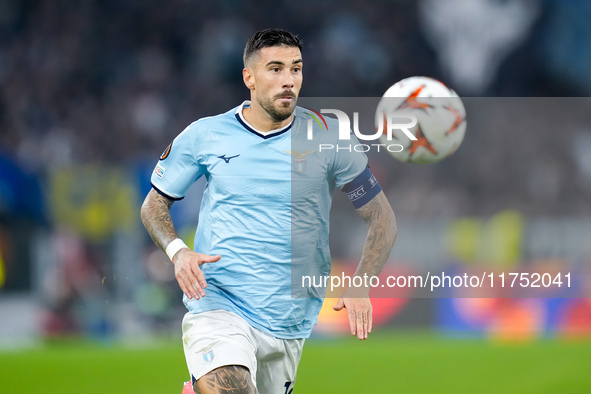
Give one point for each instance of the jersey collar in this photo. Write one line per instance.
(248, 126)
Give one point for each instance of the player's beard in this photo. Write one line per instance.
(278, 114)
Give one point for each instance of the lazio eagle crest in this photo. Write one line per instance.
(207, 352)
(299, 159)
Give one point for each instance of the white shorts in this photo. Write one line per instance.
(216, 338)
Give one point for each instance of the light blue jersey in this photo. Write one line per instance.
(265, 210)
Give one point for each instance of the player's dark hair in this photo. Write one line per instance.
(270, 38)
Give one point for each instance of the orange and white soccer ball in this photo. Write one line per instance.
(440, 120)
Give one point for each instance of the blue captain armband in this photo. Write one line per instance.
(362, 189)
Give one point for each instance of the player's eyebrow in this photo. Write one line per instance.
(279, 63)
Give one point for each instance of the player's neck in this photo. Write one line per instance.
(258, 118)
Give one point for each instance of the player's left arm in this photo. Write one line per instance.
(381, 223)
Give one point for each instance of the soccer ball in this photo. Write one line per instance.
(440, 120)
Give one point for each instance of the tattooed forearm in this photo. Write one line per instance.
(380, 219)
(156, 218)
(232, 379)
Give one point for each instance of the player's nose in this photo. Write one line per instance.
(288, 81)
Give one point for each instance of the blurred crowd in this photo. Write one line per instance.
(87, 81)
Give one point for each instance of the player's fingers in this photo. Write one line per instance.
(370, 322)
(353, 321)
(191, 282)
(339, 305)
(186, 286)
(209, 259)
(360, 321)
(200, 281)
(366, 323)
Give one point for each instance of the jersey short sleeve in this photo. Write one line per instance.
(178, 167)
(348, 162)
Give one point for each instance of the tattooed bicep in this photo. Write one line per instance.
(158, 199)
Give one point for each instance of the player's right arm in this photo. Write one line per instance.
(155, 215)
(175, 172)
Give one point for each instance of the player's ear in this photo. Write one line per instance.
(248, 77)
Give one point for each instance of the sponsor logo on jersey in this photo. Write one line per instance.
(159, 171)
(227, 159)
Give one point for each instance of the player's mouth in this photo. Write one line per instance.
(285, 97)
(284, 100)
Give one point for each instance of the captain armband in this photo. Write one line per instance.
(362, 189)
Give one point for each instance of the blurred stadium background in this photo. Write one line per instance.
(91, 92)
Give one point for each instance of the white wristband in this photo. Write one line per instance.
(174, 247)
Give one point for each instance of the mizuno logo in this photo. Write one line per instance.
(227, 159)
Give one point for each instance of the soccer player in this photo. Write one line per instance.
(263, 220)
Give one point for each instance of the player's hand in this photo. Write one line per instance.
(188, 274)
(359, 311)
